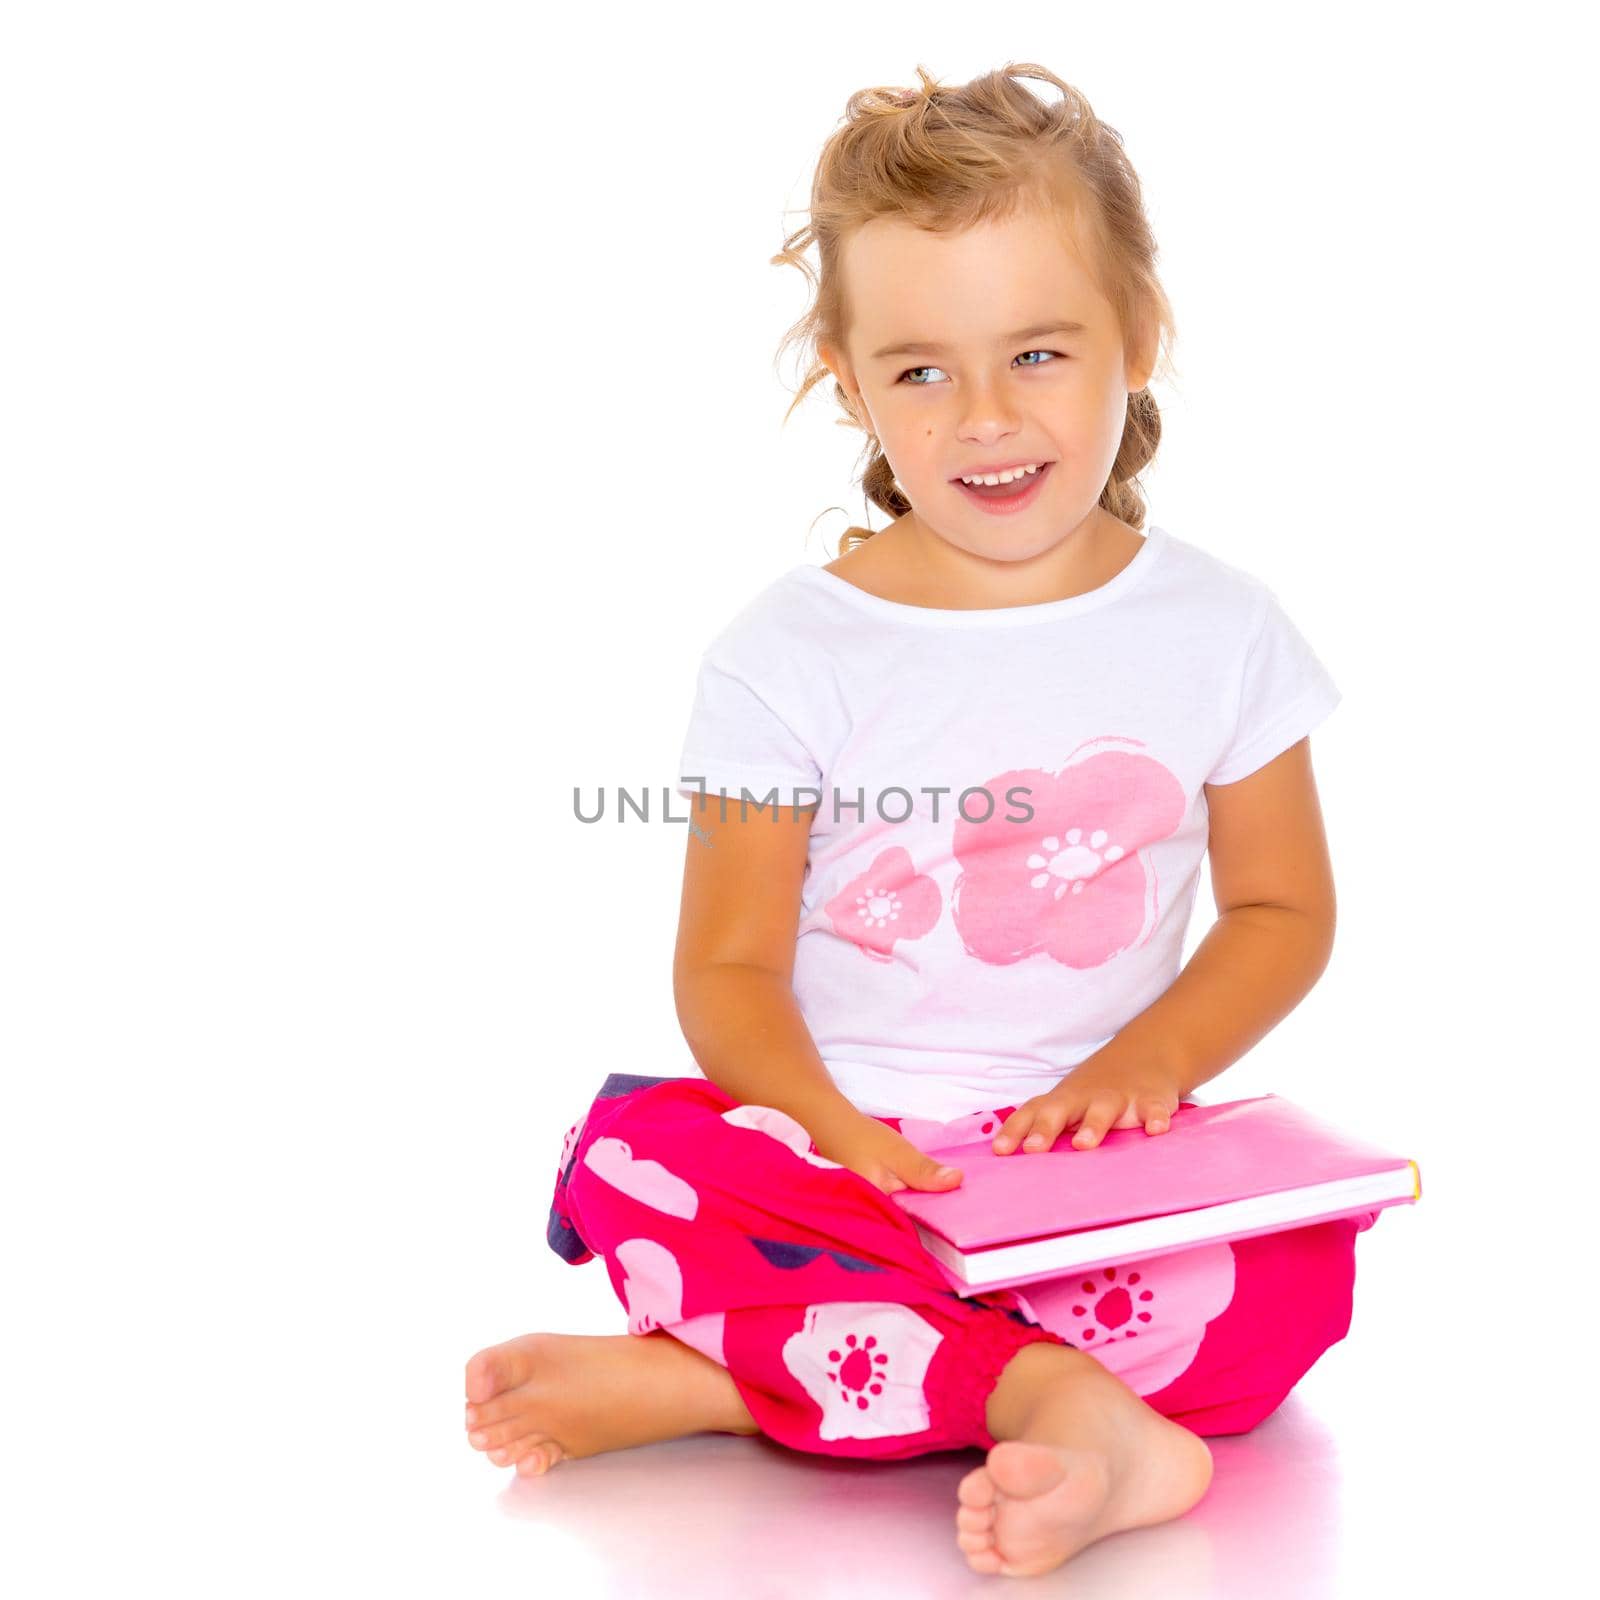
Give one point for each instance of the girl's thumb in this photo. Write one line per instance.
(935, 1174)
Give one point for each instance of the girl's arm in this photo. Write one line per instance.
(732, 970)
(1273, 884)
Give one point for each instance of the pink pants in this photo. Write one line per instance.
(721, 1225)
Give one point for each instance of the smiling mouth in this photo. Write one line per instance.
(1006, 491)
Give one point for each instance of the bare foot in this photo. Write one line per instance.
(1091, 1460)
(537, 1400)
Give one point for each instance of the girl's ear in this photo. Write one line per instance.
(1142, 358)
(840, 368)
(835, 362)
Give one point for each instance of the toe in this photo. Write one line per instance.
(483, 1376)
(502, 1408)
(502, 1433)
(975, 1519)
(1025, 1469)
(977, 1489)
(500, 1367)
(540, 1455)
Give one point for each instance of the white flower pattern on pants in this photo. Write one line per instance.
(1143, 1321)
(652, 1284)
(864, 1363)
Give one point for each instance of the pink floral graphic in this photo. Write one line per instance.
(646, 1181)
(1071, 881)
(864, 1363)
(703, 1333)
(890, 900)
(926, 1135)
(778, 1125)
(1145, 1321)
(652, 1284)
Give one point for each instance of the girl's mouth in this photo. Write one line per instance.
(1006, 498)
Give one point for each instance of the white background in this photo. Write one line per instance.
(389, 422)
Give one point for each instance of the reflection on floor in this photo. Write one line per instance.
(697, 1510)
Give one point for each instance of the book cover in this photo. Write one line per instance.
(1223, 1171)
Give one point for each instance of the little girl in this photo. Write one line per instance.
(950, 796)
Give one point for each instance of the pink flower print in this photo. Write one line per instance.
(926, 1135)
(652, 1284)
(777, 1125)
(890, 900)
(648, 1182)
(704, 1333)
(1073, 880)
(864, 1363)
(1144, 1322)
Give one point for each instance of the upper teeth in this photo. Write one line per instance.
(1005, 477)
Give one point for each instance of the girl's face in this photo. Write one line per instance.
(958, 361)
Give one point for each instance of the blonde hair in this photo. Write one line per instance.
(947, 158)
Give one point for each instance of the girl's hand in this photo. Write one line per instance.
(886, 1159)
(1097, 1095)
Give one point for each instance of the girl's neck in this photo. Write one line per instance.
(910, 565)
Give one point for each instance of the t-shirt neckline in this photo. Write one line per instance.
(1149, 552)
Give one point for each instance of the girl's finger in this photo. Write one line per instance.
(1100, 1115)
(1048, 1123)
(1012, 1130)
(1015, 1127)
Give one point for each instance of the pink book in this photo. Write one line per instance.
(1225, 1171)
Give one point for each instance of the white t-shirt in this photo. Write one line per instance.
(950, 961)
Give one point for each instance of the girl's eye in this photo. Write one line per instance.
(1053, 354)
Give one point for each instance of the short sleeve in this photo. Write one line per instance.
(1283, 693)
(738, 738)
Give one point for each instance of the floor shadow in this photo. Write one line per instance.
(677, 1519)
